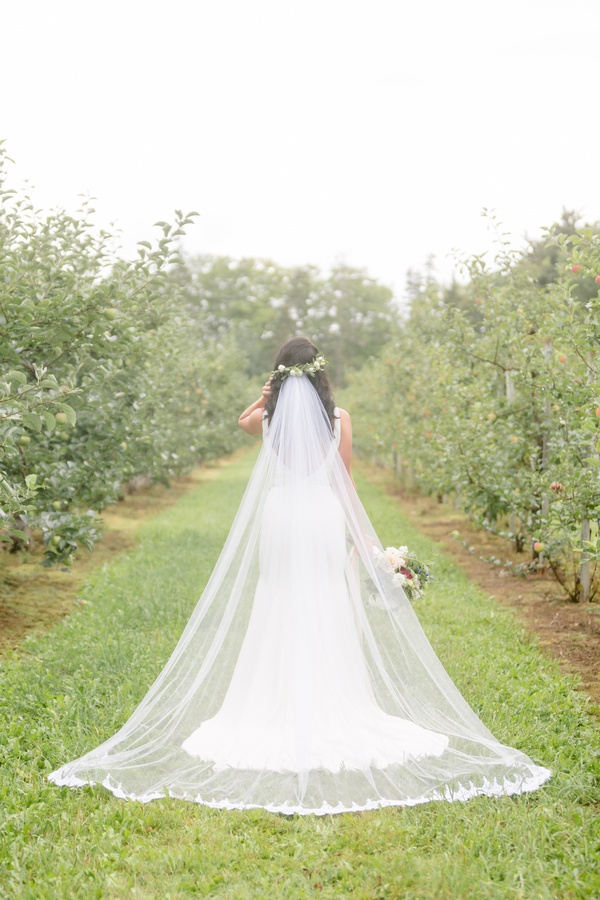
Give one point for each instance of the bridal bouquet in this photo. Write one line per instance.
(409, 572)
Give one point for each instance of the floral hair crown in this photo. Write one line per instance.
(310, 368)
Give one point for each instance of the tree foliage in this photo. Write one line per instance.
(347, 314)
(104, 373)
(492, 394)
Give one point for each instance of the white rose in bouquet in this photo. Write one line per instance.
(393, 557)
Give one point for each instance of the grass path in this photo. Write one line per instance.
(68, 690)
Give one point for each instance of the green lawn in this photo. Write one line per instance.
(72, 688)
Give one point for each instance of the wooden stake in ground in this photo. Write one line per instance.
(585, 580)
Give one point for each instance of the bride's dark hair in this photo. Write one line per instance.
(297, 352)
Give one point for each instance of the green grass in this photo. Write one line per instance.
(70, 689)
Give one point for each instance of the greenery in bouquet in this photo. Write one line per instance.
(410, 573)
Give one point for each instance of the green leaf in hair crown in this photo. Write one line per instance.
(310, 368)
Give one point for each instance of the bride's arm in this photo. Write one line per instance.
(345, 448)
(251, 419)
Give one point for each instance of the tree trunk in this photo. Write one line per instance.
(514, 526)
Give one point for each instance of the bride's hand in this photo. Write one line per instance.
(266, 391)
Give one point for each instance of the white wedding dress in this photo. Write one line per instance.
(303, 682)
(287, 653)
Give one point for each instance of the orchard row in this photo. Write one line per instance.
(105, 375)
(491, 395)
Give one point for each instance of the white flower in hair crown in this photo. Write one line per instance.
(310, 368)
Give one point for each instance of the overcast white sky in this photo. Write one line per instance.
(308, 130)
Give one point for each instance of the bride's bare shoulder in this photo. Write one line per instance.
(345, 427)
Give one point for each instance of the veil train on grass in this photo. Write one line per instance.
(303, 681)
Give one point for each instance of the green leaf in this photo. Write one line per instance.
(13, 375)
(48, 418)
(31, 481)
(32, 420)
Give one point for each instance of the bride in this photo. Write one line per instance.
(303, 682)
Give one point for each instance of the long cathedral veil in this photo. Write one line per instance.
(303, 681)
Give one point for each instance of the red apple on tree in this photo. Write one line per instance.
(576, 269)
